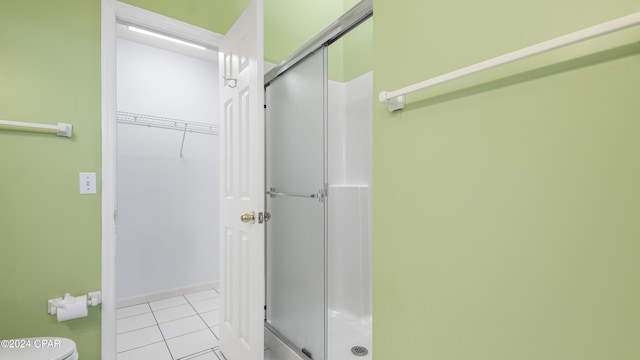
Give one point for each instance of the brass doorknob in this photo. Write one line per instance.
(248, 218)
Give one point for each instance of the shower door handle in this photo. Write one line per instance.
(320, 195)
(273, 193)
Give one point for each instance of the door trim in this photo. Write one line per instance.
(113, 11)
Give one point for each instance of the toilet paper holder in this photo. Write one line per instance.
(94, 298)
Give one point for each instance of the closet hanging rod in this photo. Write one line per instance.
(61, 129)
(167, 123)
(396, 100)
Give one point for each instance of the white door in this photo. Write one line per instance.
(242, 187)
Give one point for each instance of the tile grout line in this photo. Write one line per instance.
(144, 327)
(126, 317)
(169, 307)
(189, 333)
(202, 319)
(161, 333)
(197, 354)
(175, 306)
(223, 357)
(139, 347)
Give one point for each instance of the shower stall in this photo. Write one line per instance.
(318, 182)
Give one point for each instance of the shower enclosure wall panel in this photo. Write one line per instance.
(351, 131)
(350, 174)
(349, 253)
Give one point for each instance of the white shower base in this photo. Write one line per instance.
(344, 333)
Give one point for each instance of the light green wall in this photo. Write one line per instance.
(358, 51)
(50, 235)
(505, 218)
(352, 55)
(290, 24)
(358, 47)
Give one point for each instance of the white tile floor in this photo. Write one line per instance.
(182, 327)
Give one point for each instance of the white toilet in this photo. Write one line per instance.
(39, 348)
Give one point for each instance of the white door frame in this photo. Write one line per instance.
(112, 12)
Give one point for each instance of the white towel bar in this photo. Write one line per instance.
(61, 129)
(396, 100)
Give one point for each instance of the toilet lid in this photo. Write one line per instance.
(37, 348)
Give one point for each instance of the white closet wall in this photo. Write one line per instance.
(167, 204)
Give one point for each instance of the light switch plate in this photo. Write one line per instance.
(87, 183)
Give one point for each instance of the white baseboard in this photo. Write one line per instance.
(165, 294)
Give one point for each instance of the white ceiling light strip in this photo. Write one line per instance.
(165, 37)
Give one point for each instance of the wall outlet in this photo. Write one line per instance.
(87, 183)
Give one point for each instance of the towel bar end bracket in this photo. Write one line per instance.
(65, 130)
(395, 103)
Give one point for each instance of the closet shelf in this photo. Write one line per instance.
(167, 123)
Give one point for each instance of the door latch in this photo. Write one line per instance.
(264, 217)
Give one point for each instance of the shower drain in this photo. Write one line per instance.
(359, 350)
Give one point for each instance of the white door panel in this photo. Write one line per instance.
(242, 187)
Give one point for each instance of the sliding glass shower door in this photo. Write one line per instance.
(296, 183)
